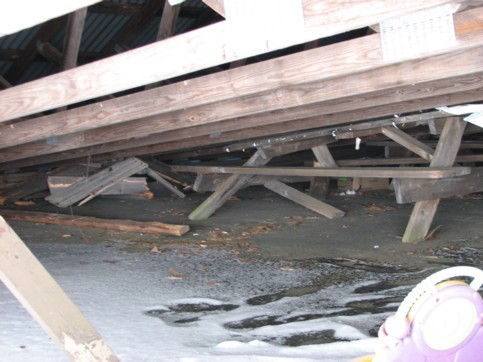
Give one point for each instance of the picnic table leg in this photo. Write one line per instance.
(444, 156)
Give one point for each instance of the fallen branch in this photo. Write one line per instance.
(93, 222)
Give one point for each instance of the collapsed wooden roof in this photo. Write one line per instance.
(200, 80)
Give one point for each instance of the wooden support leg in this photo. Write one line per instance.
(226, 189)
(444, 156)
(320, 185)
(45, 300)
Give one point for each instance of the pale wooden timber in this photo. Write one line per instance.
(178, 139)
(163, 182)
(91, 186)
(423, 78)
(409, 142)
(60, 89)
(226, 189)
(445, 155)
(273, 150)
(420, 190)
(378, 172)
(217, 5)
(307, 201)
(131, 226)
(47, 303)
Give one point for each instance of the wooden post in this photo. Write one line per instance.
(320, 185)
(226, 189)
(444, 156)
(48, 304)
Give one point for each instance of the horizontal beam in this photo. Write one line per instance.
(377, 172)
(247, 128)
(213, 45)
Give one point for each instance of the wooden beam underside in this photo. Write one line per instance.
(318, 88)
(214, 45)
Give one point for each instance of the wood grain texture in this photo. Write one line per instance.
(213, 45)
(47, 303)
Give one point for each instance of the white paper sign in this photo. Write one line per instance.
(411, 35)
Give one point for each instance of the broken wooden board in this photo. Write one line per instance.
(307, 201)
(379, 172)
(90, 187)
(151, 227)
(411, 190)
(133, 186)
(47, 303)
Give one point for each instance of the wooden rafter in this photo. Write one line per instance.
(321, 19)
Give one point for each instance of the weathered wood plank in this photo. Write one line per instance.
(73, 36)
(259, 126)
(320, 185)
(209, 181)
(444, 155)
(307, 201)
(408, 142)
(270, 76)
(129, 185)
(97, 183)
(47, 303)
(131, 226)
(411, 190)
(163, 182)
(378, 172)
(226, 189)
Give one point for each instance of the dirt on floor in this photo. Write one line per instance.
(256, 223)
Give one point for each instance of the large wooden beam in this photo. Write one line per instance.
(246, 128)
(270, 77)
(48, 304)
(379, 172)
(367, 92)
(213, 45)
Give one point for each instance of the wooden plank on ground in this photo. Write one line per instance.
(91, 186)
(307, 201)
(212, 45)
(131, 226)
(48, 304)
(411, 190)
(226, 189)
(444, 155)
(378, 172)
